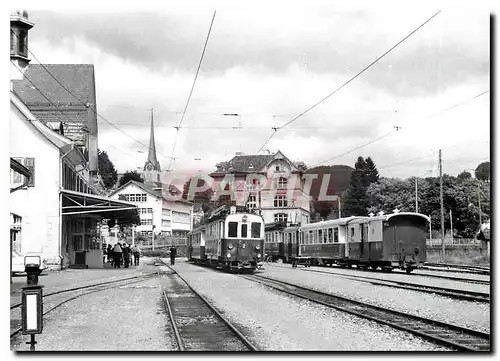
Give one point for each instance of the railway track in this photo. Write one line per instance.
(197, 324)
(443, 291)
(458, 279)
(445, 267)
(455, 337)
(54, 304)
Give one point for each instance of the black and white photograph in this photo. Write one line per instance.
(241, 176)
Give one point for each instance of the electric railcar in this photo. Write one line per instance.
(233, 242)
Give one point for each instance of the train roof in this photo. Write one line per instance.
(386, 217)
(330, 223)
(292, 228)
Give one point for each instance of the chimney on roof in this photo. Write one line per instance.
(19, 27)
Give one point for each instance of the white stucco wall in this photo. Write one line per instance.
(39, 205)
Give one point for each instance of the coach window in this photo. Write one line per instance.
(320, 236)
(336, 235)
(330, 235)
(255, 230)
(311, 237)
(352, 234)
(325, 236)
(244, 230)
(232, 230)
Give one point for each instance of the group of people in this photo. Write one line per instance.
(120, 254)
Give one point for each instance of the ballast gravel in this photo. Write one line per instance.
(274, 321)
(128, 318)
(474, 315)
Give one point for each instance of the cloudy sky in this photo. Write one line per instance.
(269, 64)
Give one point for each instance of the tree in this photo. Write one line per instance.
(464, 175)
(130, 175)
(340, 176)
(371, 171)
(107, 170)
(355, 202)
(483, 171)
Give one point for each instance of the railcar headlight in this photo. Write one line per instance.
(228, 255)
(257, 247)
(229, 246)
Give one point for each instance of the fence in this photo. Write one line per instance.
(463, 242)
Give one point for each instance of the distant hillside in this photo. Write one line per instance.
(340, 177)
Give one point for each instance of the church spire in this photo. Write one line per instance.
(152, 162)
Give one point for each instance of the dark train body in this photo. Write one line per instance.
(233, 242)
(396, 240)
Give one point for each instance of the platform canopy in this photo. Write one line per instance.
(77, 203)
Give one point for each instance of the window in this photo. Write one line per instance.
(232, 229)
(282, 183)
(280, 218)
(22, 38)
(277, 168)
(311, 237)
(352, 233)
(280, 201)
(255, 230)
(17, 178)
(325, 237)
(336, 235)
(244, 230)
(320, 235)
(252, 202)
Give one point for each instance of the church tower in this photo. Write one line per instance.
(152, 170)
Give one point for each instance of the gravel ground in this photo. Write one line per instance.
(469, 314)
(128, 318)
(68, 278)
(274, 321)
(413, 278)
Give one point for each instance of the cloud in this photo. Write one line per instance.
(269, 67)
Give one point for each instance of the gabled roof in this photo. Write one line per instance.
(64, 144)
(151, 189)
(244, 163)
(252, 163)
(77, 78)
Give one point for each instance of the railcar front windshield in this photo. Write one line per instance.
(256, 227)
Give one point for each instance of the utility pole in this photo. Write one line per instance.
(340, 212)
(153, 228)
(416, 195)
(430, 230)
(479, 202)
(451, 227)
(441, 200)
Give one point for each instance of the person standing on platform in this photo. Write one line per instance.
(117, 255)
(137, 253)
(173, 253)
(126, 255)
(109, 254)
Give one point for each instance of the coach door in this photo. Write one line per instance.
(364, 240)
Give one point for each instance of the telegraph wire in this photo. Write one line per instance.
(190, 94)
(350, 80)
(74, 96)
(52, 103)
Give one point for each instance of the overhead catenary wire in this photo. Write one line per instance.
(398, 128)
(347, 82)
(55, 105)
(78, 99)
(190, 94)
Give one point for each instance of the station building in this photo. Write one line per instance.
(57, 210)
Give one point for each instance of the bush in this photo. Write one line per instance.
(149, 253)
